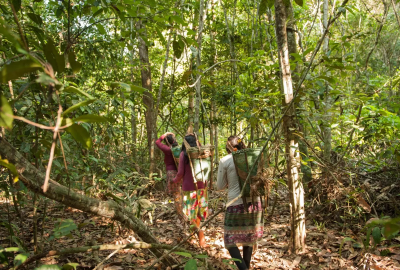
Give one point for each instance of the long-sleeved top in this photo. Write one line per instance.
(185, 172)
(227, 177)
(168, 158)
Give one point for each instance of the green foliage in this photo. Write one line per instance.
(6, 113)
(191, 265)
(14, 70)
(63, 228)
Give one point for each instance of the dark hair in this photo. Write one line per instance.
(235, 142)
(171, 140)
(191, 140)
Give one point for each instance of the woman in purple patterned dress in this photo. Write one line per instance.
(172, 189)
(241, 227)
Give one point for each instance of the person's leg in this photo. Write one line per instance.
(235, 253)
(247, 251)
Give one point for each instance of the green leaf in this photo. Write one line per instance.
(178, 48)
(56, 60)
(70, 266)
(138, 89)
(376, 235)
(78, 105)
(72, 89)
(264, 4)
(48, 267)
(17, 5)
(299, 2)
(101, 29)
(3, 256)
(185, 254)
(16, 69)
(80, 134)
(5, 163)
(6, 113)
(20, 258)
(346, 239)
(160, 36)
(90, 118)
(191, 265)
(201, 256)
(390, 229)
(35, 18)
(178, 20)
(75, 65)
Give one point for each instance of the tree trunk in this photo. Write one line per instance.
(326, 128)
(296, 192)
(198, 64)
(33, 180)
(148, 101)
(292, 46)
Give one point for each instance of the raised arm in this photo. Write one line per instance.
(163, 147)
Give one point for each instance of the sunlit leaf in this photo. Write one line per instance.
(14, 70)
(70, 266)
(185, 254)
(6, 113)
(90, 118)
(80, 134)
(5, 163)
(20, 258)
(75, 65)
(72, 89)
(48, 267)
(78, 105)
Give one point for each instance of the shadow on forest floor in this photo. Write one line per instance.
(323, 240)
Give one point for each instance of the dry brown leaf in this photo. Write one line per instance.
(363, 203)
(296, 261)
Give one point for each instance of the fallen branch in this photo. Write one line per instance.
(33, 179)
(135, 245)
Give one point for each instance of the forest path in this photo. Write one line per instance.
(323, 239)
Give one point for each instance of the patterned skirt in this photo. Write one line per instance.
(195, 204)
(241, 227)
(172, 188)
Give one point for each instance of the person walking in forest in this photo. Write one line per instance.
(241, 226)
(195, 197)
(172, 189)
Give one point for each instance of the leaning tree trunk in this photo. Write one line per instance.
(33, 180)
(147, 96)
(296, 192)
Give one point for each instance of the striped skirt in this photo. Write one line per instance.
(241, 227)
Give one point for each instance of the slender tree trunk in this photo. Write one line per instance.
(326, 128)
(296, 192)
(147, 96)
(133, 109)
(292, 46)
(198, 64)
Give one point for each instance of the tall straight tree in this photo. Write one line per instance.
(327, 133)
(148, 100)
(296, 191)
(198, 69)
(292, 47)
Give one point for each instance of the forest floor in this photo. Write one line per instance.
(323, 239)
